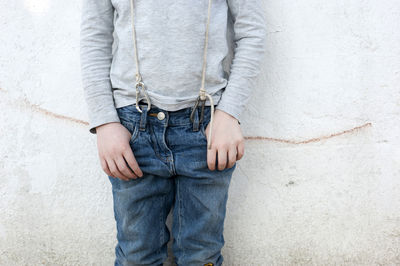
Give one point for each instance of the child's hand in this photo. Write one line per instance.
(227, 141)
(113, 147)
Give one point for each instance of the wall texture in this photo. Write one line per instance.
(319, 183)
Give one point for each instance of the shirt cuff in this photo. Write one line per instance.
(231, 109)
(101, 108)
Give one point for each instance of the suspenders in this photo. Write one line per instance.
(202, 94)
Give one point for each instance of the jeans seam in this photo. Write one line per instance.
(162, 236)
(154, 141)
(179, 220)
(169, 159)
(135, 133)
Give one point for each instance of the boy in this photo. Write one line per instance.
(159, 140)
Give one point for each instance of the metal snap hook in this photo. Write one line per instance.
(140, 85)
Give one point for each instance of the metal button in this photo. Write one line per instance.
(160, 116)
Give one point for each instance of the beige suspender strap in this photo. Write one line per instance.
(139, 83)
(202, 94)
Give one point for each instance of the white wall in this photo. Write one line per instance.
(320, 187)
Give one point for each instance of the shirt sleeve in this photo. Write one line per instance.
(96, 38)
(249, 26)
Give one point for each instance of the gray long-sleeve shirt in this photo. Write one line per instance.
(170, 42)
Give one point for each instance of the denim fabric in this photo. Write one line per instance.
(172, 153)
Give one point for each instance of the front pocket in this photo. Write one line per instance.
(203, 126)
(206, 121)
(132, 127)
(135, 132)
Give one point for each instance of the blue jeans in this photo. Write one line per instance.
(171, 151)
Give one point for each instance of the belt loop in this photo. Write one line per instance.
(143, 118)
(196, 122)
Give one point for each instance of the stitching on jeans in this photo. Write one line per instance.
(203, 126)
(169, 158)
(179, 219)
(132, 128)
(154, 141)
(162, 235)
(135, 133)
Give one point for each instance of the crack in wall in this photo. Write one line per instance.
(37, 108)
(316, 139)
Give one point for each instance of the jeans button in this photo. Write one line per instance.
(160, 116)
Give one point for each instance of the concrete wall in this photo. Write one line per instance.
(319, 183)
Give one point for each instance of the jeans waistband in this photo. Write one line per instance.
(161, 116)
